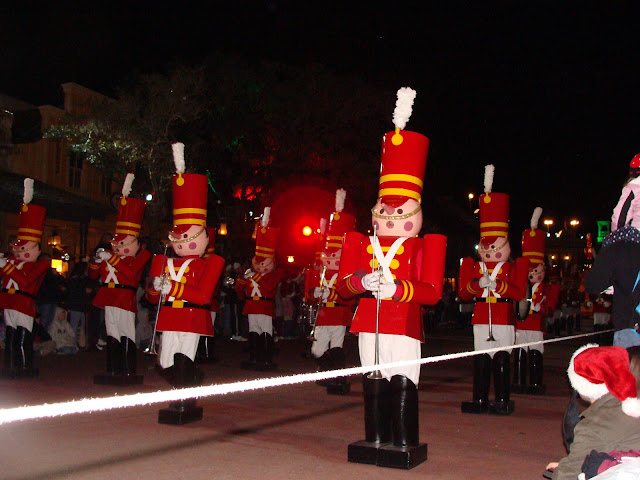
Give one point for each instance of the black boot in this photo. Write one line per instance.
(535, 387)
(254, 339)
(501, 383)
(377, 421)
(339, 385)
(9, 367)
(519, 384)
(25, 353)
(182, 411)
(481, 381)
(129, 362)
(406, 451)
(114, 364)
(325, 363)
(265, 363)
(206, 350)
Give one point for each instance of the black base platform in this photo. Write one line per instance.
(536, 390)
(180, 416)
(364, 452)
(391, 456)
(338, 388)
(106, 379)
(496, 408)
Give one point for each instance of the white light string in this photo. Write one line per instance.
(9, 415)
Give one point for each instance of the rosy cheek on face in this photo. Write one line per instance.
(193, 245)
(498, 255)
(126, 250)
(408, 226)
(337, 263)
(26, 255)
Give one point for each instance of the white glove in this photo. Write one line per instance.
(485, 282)
(3, 262)
(104, 255)
(321, 293)
(161, 285)
(248, 274)
(387, 289)
(371, 281)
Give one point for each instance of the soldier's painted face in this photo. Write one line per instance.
(536, 274)
(125, 247)
(26, 251)
(263, 264)
(402, 221)
(331, 260)
(192, 242)
(494, 249)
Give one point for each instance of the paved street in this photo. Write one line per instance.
(290, 432)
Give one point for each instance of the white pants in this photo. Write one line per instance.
(213, 318)
(327, 335)
(527, 336)
(260, 323)
(504, 335)
(177, 342)
(120, 323)
(15, 319)
(393, 348)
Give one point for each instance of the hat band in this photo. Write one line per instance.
(190, 221)
(265, 252)
(534, 257)
(183, 211)
(494, 233)
(400, 192)
(401, 177)
(128, 224)
(127, 232)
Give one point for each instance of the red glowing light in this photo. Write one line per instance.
(306, 230)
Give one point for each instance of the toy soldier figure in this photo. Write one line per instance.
(527, 362)
(495, 283)
(334, 313)
(21, 278)
(206, 347)
(119, 272)
(184, 287)
(259, 286)
(400, 272)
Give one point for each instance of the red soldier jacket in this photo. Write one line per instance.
(511, 283)
(187, 306)
(417, 266)
(544, 297)
(20, 285)
(260, 292)
(335, 310)
(119, 279)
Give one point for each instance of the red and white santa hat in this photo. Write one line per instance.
(595, 371)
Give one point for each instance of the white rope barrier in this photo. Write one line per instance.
(9, 415)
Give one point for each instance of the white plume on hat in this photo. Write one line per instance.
(535, 218)
(341, 195)
(404, 106)
(265, 217)
(323, 226)
(128, 182)
(178, 156)
(488, 178)
(602, 370)
(28, 190)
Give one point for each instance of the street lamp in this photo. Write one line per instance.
(574, 222)
(548, 222)
(470, 198)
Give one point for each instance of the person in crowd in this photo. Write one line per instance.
(183, 288)
(494, 282)
(120, 269)
(399, 272)
(22, 275)
(77, 300)
(49, 295)
(63, 334)
(602, 376)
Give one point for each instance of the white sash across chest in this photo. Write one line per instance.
(255, 292)
(111, 275)
(536, 307)
(384, 261)
(329, 284)
(177, 276)
(12, 283)
(492, 276)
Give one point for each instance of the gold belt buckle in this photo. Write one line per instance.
(111, 285)
(177, 304)
(11, 291)
(256, 297)
(491, 299)
(330, 304)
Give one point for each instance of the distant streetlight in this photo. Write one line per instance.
(223, 229)
(548, 222)
(290, 259)
(574, 222)
(470, 198)
(149, 197)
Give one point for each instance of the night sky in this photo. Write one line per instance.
(547, 92)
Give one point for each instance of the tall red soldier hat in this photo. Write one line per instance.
(266, 238)
(595, 371)
(31, 220)
(494, 211)
(404, 156)
(189, 196)
(339, 224)
(534, 240)
(130, 212)
(211, 248)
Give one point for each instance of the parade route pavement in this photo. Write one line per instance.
(291, 432)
